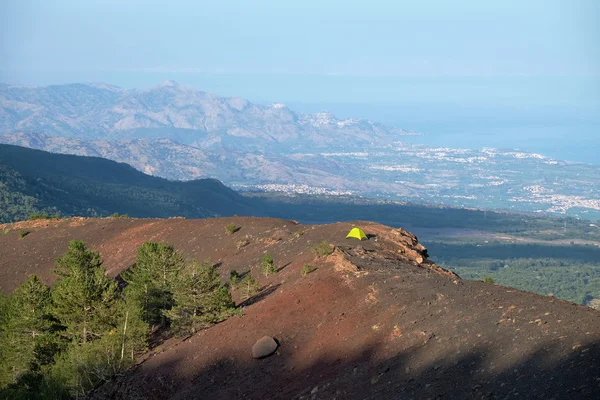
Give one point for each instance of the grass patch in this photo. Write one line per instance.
(322, 249)
(242, 243)
(307, 269)
(23, 233)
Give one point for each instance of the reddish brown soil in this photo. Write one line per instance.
(372, 322)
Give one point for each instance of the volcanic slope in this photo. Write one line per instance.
(375, 320)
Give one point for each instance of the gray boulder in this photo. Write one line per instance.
(264, 347)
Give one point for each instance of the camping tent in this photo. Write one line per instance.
(356, 233)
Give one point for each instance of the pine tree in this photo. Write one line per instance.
(83, 295)
(150, 281)
(249, 286)
(77, 256)
(31, 300)
(25, 323)
(200, 298)
(131, 329)
(267, 265)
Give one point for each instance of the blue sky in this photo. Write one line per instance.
(310, 51)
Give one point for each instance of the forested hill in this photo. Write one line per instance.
(33, 181)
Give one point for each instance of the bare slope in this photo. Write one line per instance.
(375, 320)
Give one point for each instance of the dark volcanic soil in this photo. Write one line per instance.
(374, 321)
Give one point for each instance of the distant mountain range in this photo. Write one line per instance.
(179, 113)
(175, 132)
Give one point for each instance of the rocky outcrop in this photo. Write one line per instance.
(409, 246)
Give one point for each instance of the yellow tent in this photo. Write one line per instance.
(356, 233)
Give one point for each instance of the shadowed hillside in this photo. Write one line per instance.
(38, 181)
(374, 320)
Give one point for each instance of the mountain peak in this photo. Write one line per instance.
(169, 83)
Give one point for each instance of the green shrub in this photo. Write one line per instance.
(23, 233)
(322, 249)
(120, 216)
(35, 216)
(35, 385)
(268, 267)
(307, 269)
(6, 231)
(234, 279)
(230, 229)
(83, 367)
(488, 279)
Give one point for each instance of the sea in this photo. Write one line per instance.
(560, 133)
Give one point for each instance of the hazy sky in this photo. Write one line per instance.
(309, 50)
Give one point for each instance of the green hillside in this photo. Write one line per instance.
(33, 181)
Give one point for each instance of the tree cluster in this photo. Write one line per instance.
(65, 340)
